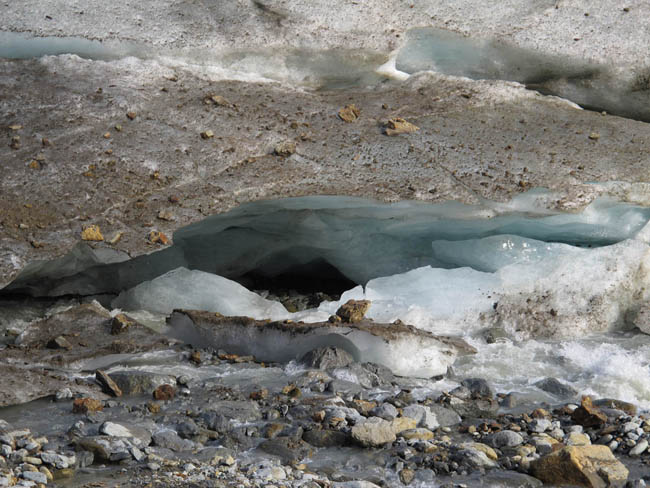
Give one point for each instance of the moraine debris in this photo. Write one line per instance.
(399, 126)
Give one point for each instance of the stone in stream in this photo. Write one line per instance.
(327, 358)
(87, 405)
(555, 387)
(590, 466)
(587, 415)
(374, 432)
(107, 384)
(164, 392)
(281, 341)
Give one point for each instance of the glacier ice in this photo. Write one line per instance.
(360, 239)
(589, 85)
(197, 290)
(406, 350)
(561, 294)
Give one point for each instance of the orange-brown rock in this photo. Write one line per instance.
(588, 415)
(164, 392)
(92, 233)
(349, 113)
(86, 405)
(399, 126)
(592, 466)
(353, 311)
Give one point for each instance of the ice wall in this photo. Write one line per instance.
(359, 238)
(592, 86)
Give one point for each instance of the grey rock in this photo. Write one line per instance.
(242, 410)
(385, 411)
(639, 449)
(555, 387)
(478, 387)
(342, 387)
(326, 438)
(327, 358)
(187, 429)
(476, 458)
(134, 382)
(288, 450)
(114, 430)
(423, 416)
(445, 416)
(35, 476)
(505, 438)
(169, 439)
(540, 425)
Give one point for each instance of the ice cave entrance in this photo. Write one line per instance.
(330, 244)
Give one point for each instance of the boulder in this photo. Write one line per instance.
(591, 466)
(375, 432)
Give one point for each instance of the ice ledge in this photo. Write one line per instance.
(407, 351)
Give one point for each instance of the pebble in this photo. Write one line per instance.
(639, 449)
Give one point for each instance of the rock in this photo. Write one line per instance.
(207, 134)
(354, 484)
(555, 387)
(166, 215)
(171, 440)
(484, 448)
(587, 415)
(628, 408)
(59, 342)
(92, 233)
(108, 385)
(135, 382)
(423, 416)
(375, 432)
(157, 237)
(639, 449)
(505, 438)
(577, 439)
(353, 311)
(594, 136)
(326, 438)
(590, 466)
(327, 358)
(86, 405)
(114, 430)
(285, 148)
(445, 416)
(385, 411)
(476, 458)
(35, 476)
(420, 434)
(131, 115)
(120, 323)
(478, 387)
(219, 100)
(164, 392)
(401, 424)
(349, 113)
(397, 126)
(540, 425)
(287, 449)
(406, 475)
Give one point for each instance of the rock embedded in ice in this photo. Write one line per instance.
(185, 289)
(405, 350)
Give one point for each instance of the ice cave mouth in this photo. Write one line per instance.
(331, 244)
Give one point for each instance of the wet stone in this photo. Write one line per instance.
(327, 358)
(108, 385)
(353, 311)
(164, 392)
(87, 405)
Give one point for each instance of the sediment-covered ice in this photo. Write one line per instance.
(182, 288)
(404, 349)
